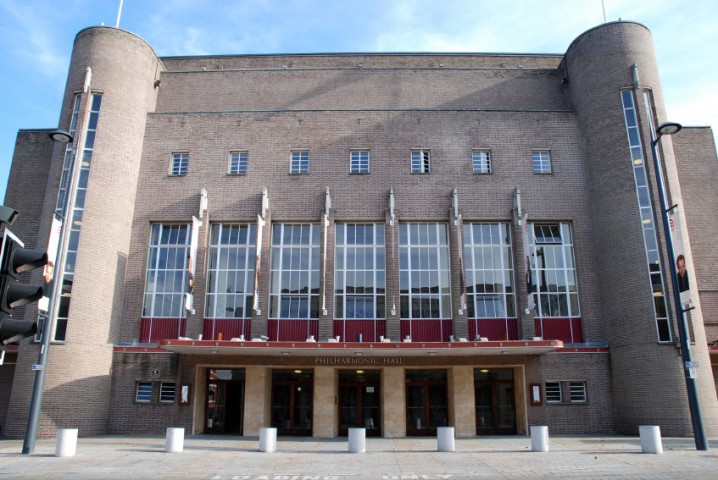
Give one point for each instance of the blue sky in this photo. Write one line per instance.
(36, 39)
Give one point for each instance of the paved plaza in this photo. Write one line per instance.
(238, 458)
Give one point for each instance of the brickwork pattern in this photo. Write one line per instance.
(129, 416)
(328, 105)
(7, 373)
(698, 172)
(599, 64)
(596, 415)
(362, 60)
(361, 89)
(330, 136)
(123, 70)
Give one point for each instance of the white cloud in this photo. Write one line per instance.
(32, 35)
(695, 104)
(471, 26)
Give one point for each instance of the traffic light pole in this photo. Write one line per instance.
(33, 419)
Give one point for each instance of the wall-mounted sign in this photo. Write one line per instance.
(184, 395)
(378, 361)
(535, 389)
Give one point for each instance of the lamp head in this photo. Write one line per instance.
(669, 128)
(61, 136)
(7, 214)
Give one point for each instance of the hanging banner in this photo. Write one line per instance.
(52, 246)
(191, 263)
(529, 264)
(257, 258)
(684, 285)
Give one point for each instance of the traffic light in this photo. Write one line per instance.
(17, 259)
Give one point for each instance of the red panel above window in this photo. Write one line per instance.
(152, 330)
(292, 330)
(494, 328)
(228, 327)
(426, 330)
(566, 329)
(370, 330)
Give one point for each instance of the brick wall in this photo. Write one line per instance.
(698, 172)
(598, 65)
(123, 70)
(130, 417)
(208, 106)
(596, 415)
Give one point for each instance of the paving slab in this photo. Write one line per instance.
(210, 457)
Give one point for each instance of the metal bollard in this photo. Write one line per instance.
(445, 439)
(66, 442)
(174, 440)
(650, 438)
(357, 440)
(539, 439)
(268, 439)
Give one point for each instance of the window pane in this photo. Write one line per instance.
(167, 392)
(166, 271)
(541, 162)
(424, 272)
(180, 163)
(656, 286)
(238, 162)
(553, 392)
(233, 272)
(578, 392)
(481, 161)
(359, 161)
(294, 280)
(144, 392)
(489, 276)
(420, 161)
(363, 269)
(300, 162)
(553, 272)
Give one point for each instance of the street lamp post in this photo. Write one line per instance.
(33, 419)
(669, 128)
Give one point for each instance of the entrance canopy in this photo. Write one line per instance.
(338, 349)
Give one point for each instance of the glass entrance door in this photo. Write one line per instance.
(426, 401)
(225, 401)
(292, 400)
(495, 405)
(359, 400)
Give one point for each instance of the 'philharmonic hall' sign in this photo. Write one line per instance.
(358, 361)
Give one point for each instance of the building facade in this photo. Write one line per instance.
(392, 241)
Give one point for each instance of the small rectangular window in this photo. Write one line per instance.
(144, 392)
(542, 161)
(577, 391)
(238, 163)
(420, 161)
(300, 162)
(553, 392)
(180, 163)
(481, 161)
(167, 392)
(359, 161)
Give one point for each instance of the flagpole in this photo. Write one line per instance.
(603, 5)
(119, 14)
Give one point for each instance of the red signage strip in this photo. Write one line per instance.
(360, 345)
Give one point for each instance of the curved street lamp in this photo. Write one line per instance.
(38, 389)
(699, 433)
